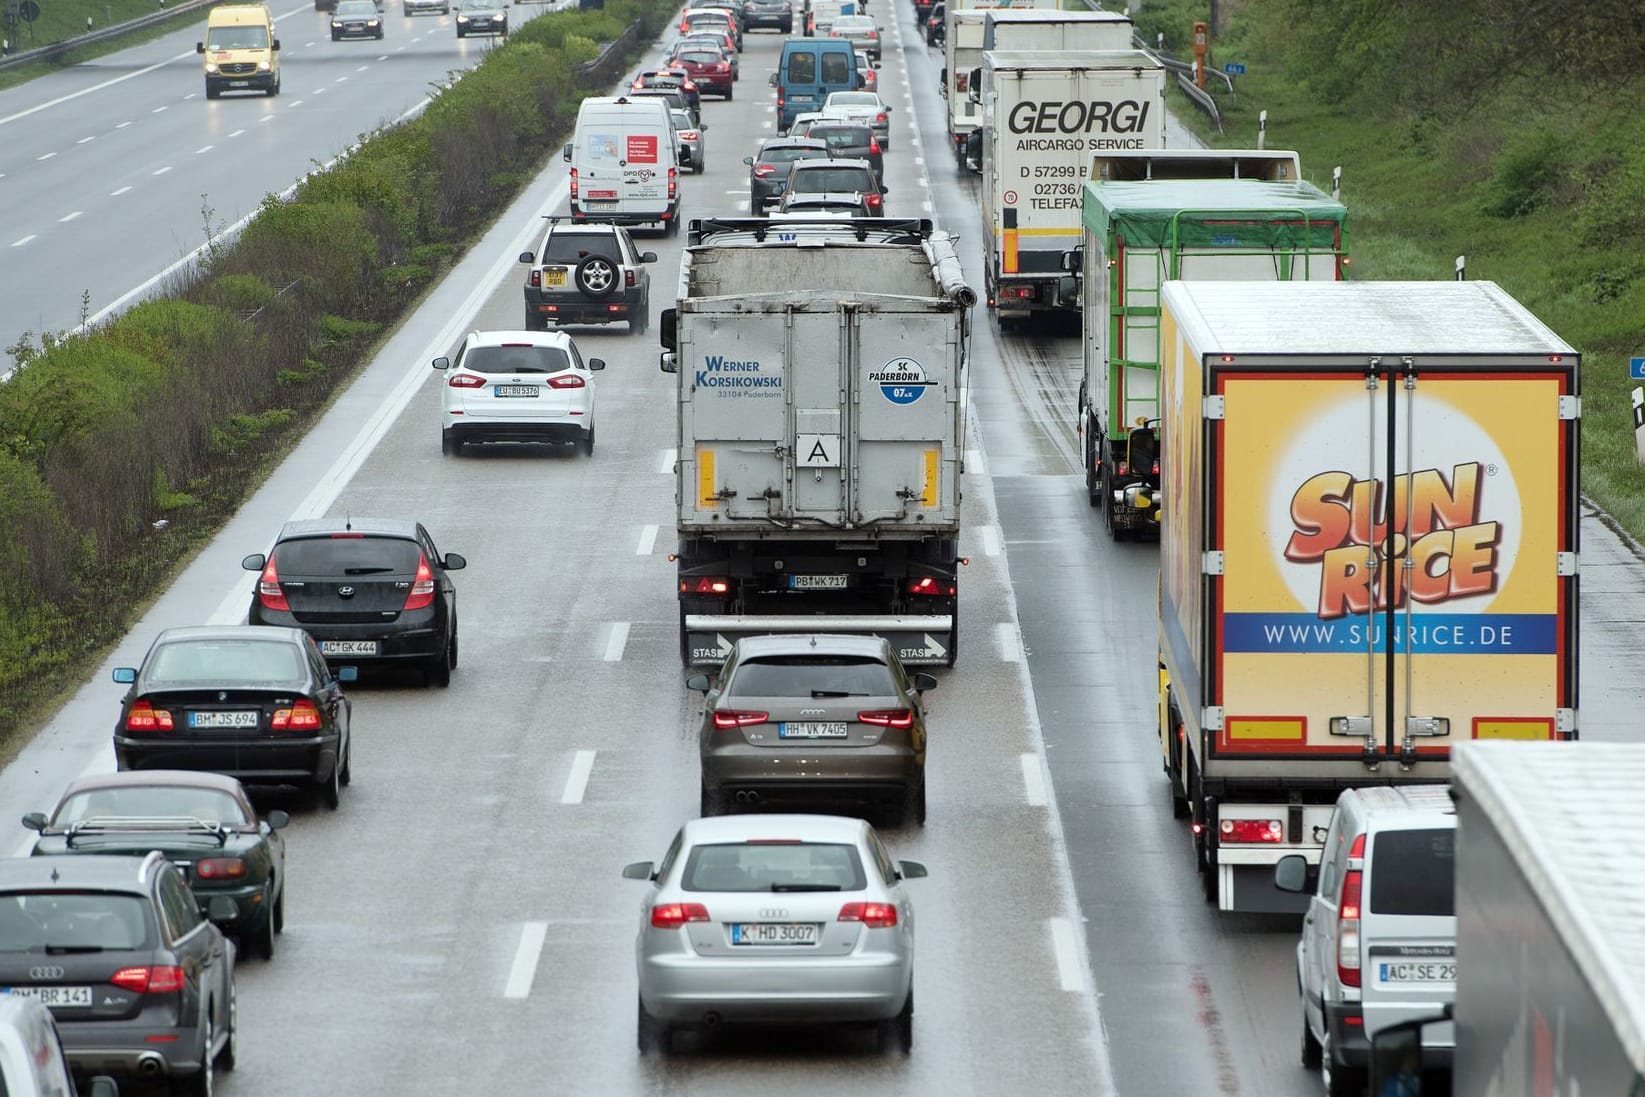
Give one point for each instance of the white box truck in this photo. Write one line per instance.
(1550, 990)
(821, 371)
(963, 27)
(1368, 550)
(1152, 217)
(1045, 114)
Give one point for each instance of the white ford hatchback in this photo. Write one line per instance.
(517, 386)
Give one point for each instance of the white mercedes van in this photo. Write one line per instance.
(624, 165)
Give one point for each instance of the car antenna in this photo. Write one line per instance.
(348, 523)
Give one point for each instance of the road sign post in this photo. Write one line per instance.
(1639, 425)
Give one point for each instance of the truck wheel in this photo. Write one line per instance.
(1208, 865)
(954, 638)
(685, 642)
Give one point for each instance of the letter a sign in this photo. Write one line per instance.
(817, 451)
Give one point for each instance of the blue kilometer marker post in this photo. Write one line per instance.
(1636, 369)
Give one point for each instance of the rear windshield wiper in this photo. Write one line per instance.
(805, 887)
(59, 950)
(837, 693)
(366, 571)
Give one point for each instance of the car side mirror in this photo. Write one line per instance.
(276, 44)
(772, 81)
(648, 257)
(749, 160)
(222, 910)
(668, 330)
(924, 681)
(255, 562)
(199, 47)
(348, 674)
(1291, 873)
(454, 561)
(565, 154)
(443, 363)
(668, 363)
(596, 364)
(639, 870)
(911, 870)
(103, 1086)
(125, 675)
(35, 820)
(277, 819)
(525, 257)
(699, 682)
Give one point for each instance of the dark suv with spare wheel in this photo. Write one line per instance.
(587, 274)
(371, 591)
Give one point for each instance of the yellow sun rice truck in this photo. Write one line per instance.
(1368, 550)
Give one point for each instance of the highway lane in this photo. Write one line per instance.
(113, 170)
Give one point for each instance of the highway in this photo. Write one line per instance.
(460, 925)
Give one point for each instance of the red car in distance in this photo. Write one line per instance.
(709, 69)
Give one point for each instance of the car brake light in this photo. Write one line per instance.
(888, 718)
(688, 85)
(1348, 920)
(566, 381)
(675, 915)
(1122, 469)
(145, 717)
(268, 589)
(873, 146)
(1156, 466)
(873, 200)
(673, 183)
(705, 584)
(1252, 830)
(302, 716)
(763, 170)
(688, 135)
(422, 587)
(872, 915)
(629, 281)
(941, 588)
(469, 380)
(573, 184)
(163, 979)
(220, 868)
(535, 279)
(732, 718)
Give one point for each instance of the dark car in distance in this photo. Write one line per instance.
(849, 141)
(255, 703)
(768, 169)
(835, 177)
(205, 825)
(776, 14)
(371, 591)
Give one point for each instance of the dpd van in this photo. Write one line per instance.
(624, 166)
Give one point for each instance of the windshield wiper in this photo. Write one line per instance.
(365, 571)
(59, 950)
(836, 693)
(805, 887)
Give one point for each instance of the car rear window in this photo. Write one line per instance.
(836, 68)
(1414, 872)
(353, 557)
(842, 137)
(151, 802)
(529, 359)
(833, 179)
(773, 866)
(700, 58)
(853, 99)
(789, 155)
(810, 675)
(69, 921)
(184, 662)
(802, 67)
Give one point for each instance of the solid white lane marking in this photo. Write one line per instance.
(1033, 780)
(24, 240)
(667, 463)
(1008, 642)
(648, 541)
(237, 133)
(47, 156)
(989, 535)
(576, 782)
(69, 217)
(1069, 975)
(615, 642)
(204, 148)
(975, 463)
(83, 140)
(118, 193)
(530, 950)
(163, 170)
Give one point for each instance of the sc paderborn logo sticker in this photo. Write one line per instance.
(901, 380)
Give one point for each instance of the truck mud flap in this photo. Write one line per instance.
(917, 640)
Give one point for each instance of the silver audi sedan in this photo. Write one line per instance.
(775, 919)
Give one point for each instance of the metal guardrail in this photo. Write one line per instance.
(108, 33)
(603, 68)
(1184, 72)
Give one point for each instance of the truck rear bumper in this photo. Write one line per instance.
(922, 640)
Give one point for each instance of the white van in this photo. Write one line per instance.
(624, 163)
(31, 1054)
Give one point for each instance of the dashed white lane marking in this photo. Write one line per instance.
(204, 148)
(920, 160)
(926, 206)
(384, 57)
(24, 240)
(1069, 975)
(118, 193)
(69, 217)
(648, 541)
(399, 49)
(83, 140)
(157, 110)
(163, 170)
(989, 535)
(187, 97)
(47, 156)
(266, 118)
(615, 642)
(317, 91)
(340, 80)
(576, 782)
(667, 463)
(307, 45)
(122, 125)
(1008, 642)
(237, 133)
(363, 68)
(296, 102)
(530, 950)
(1033, 780)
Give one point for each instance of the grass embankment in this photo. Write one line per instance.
(122, 451)
(61, 20)
(1539, 181)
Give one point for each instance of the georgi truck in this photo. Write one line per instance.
(963, 26)
(1045, 114)
(1153, 217)
(1348, 464)
(1549, 995)
(821, 432)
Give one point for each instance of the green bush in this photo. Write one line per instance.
(1524, 174)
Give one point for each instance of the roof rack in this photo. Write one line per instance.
(100, 826)
(889, 230)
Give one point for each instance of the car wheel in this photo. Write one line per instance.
(588, 442)
(597, 276)
(1310, 1046)
(280, 911)
(914, 805)
(437, 671)
(260, 942)
(201, 1083)
(728, 92)
(450, 444)
(711, 802)
(650, 1034)
(348, 764)
(453, 643)
(331, 793)
(1341, 1080)
(898, 1032)
(334, 38)
(225, 1058)
(643, 324)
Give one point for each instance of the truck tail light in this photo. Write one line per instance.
(220, 868)
(268, 588)
(573, 184)
(675, 915)
(705, 584)
(422, 587)
(733, 718)
(1121, 468)
(1251, 830)
(145, 717)
(933, 587)
(872, 915)
(888, 718)
(1156, 466)
(302, 716)
(1016, 293)
(1348, 920)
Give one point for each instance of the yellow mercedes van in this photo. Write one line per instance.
(241, 51)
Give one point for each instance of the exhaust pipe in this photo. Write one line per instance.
(711, 1018)
(748, 796)
(150, 1065)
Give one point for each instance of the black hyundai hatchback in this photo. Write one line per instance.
(371, 591)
